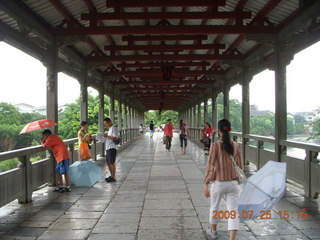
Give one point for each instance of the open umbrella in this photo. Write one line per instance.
(44, 123)
(262, 190)
(84, 173)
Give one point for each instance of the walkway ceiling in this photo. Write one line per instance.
(157, 54)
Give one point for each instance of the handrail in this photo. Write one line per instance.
(260, 138)
(29, 150)
(305, 146)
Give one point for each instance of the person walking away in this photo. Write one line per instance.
(141, 129)
(151, 128)
(111, 147)
(207, 133)
(168, 133)
(184, 132)
(84, 139)
(61, 154)
(220, 172)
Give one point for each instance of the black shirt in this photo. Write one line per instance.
(151, 127)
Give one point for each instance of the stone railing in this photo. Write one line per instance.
(302, 170)
(19, 183)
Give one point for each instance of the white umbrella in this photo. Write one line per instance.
(262, 190)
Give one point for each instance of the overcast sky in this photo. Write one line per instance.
(23, 80)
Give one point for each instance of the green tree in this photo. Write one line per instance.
(316, 129)
(9, 114)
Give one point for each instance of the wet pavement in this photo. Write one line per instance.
(158, 195)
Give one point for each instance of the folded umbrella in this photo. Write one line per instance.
(84, 173)
(262, 190)
(44, 123)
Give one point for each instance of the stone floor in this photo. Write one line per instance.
(158, 195)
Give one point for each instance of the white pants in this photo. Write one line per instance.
(231, 191)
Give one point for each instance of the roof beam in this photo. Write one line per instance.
(189, 29)
(131, 38)
(161, 89)
(167, 15)
(175, 73)
(185, 57)
(162, 83)
(159, 94)
(160, 64)
(27, 17)
(163, 3)
(164, 48)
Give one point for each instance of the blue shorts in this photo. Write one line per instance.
(111, 155)
(63, 167)
(152, 131)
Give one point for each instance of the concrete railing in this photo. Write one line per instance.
(302, 170)
(19, 183)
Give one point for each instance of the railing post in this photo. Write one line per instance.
(26, 167)
(94, 148)
(71, 153)
(259, 149)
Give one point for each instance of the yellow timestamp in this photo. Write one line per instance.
(283, 214)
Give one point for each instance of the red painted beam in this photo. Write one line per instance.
(163, 3)
(175, 73)
(159, 94)
(184, 57)
(162, 83)
(163, 48)
(168, 15)
(189, 29)
(160, 64)
(162, 89)
(131, 38)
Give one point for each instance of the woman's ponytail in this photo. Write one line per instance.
(225, 127)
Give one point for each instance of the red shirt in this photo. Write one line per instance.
(168, 130)
(59, 149)
(206, 132)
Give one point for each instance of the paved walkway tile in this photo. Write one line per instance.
(158, 195)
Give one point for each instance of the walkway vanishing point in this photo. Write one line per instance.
(158, 195)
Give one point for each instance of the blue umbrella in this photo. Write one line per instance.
(262, 190)
(84, 173)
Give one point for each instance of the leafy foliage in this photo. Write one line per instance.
(158, 120)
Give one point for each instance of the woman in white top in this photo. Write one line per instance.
(141, 129)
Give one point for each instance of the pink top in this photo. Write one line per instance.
(219, 166)
(168, 130)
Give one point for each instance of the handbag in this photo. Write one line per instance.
(117, 141)
(238, 171)
(164, 140)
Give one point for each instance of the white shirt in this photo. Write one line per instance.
(113, 131)
(140, 128)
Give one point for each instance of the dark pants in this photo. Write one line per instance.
(183, 139)
(207, 144)
(168, 142)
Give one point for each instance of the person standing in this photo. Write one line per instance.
(111, 147)
(168, 133)
(84, 139)
(141, 129)
(220, 172)
(61, 154)
(184, 132)
(151, 128)
(207, 133)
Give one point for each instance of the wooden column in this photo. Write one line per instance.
(226, 110)
(246, 79)
(205, 109)
(101, 116)
(119, 115)
(52, 88)
(282, 59)
(111, 107)
(84, 97)
(214, 95)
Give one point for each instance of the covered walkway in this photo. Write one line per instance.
(158, 195)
